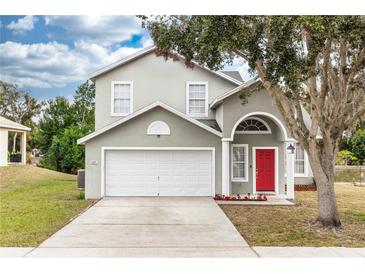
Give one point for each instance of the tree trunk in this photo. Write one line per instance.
(323, 167)
(327, 208)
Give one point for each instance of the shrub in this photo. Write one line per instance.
(346, 157)
(81, 196)
(64, 154)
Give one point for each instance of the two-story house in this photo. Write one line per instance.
(163, 129)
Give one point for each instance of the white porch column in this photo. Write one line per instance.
(23, 147)
(290, 157)
(3, 147)
(225, 167)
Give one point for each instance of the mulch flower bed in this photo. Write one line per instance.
(259, 197)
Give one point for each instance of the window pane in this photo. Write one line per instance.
(299, 155)
(299, 167)
(238, 162)
(122, 91)
(238, 153)
(238, 170)
(122, 98)
(197, 101)
(299, 160)
(121, 106)
(251, 125)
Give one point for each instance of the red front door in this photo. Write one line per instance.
(265, 170)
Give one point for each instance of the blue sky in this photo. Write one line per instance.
(51, 55)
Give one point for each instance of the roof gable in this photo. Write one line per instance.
(149, 50)
(100, 131)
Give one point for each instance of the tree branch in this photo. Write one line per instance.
(359, 60)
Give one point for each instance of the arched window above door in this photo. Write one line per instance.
(253, 125)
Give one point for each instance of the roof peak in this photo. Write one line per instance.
(150, 49)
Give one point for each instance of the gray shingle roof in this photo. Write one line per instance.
(211, 123)
(234, 74)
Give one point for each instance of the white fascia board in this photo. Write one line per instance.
(141, 111)
(22, 128)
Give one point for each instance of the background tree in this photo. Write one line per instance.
(64, 154)
(314, 60)
(84, 105)
(62, 124)
(355, 142)
(18, 106)
(57, 116)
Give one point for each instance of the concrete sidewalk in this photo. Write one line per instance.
(11, 252)
(255, 251)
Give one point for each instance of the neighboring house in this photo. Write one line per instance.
(7, 126)
(162, 129)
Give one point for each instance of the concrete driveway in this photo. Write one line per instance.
(148, 227)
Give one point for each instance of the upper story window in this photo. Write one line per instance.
(197, 99)
(253, 125)
(299, 167)
(122, 98)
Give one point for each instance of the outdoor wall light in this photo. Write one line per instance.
(291, 149)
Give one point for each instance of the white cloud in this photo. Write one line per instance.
(23, 24)
(53, 64)
(45, 65)
(104, 30)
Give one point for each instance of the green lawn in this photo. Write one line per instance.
(293, 225)
(35, 203)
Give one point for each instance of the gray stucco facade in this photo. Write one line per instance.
(133, 134)
(155, 79)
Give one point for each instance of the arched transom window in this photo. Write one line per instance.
(253, 125)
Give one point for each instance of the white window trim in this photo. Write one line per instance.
(268, 131)
(112, 113)
(158, 128)
(305, 174)
(205, 115)
(245, 179)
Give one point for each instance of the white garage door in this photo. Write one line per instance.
(158, 173)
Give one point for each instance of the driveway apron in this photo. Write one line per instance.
(148, 227)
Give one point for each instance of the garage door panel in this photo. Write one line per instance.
(154, 172)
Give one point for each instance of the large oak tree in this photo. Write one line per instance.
(317, 61)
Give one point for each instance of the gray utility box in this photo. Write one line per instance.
(81, 178)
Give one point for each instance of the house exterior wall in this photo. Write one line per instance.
(154, 79)
(259, 140)
(234, 110)
(304, 180)
(219, 116)
(259, 101)
(134, 134)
